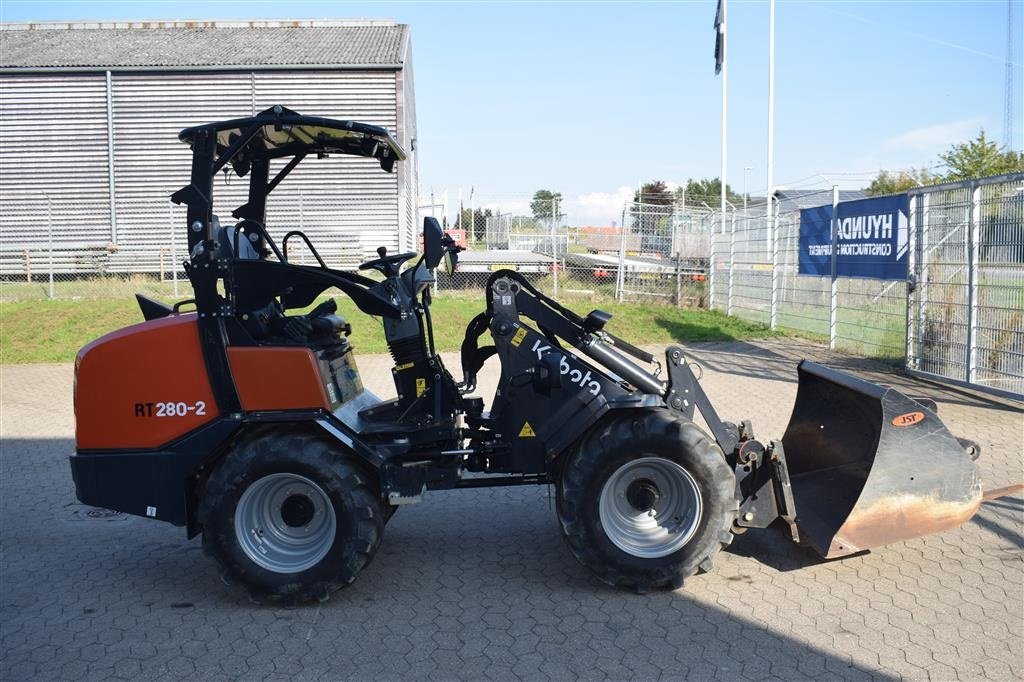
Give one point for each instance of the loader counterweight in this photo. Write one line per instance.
(142, 386)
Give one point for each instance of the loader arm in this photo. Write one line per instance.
(859, 466)
(681, 392)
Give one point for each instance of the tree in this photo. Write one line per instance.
(652, 211)
(707, 191)
(463, 220)
(546, 205)
(473, 222)
(897, 182)
(655, 193)
(979, 158)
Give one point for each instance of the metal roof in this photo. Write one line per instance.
(202, 44)
(795, 199)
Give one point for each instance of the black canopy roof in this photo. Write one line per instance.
(279, 132)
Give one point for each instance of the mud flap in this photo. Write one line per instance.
(870, 466)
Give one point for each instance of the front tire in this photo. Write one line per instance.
(290, 517)
(646, 501)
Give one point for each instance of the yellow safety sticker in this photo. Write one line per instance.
(527, 431)
(518, 337)
(421, 386)
(407, 365)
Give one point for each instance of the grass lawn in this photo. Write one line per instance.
(54, 331)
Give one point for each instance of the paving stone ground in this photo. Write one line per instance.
(479, 584)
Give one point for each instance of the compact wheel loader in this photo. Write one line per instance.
(249, 425)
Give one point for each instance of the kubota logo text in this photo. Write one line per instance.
(576, 376)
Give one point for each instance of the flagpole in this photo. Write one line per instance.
(770, 219)
(771, 104)
(725, 106)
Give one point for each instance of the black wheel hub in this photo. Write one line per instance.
(643, 495)
(297, 511)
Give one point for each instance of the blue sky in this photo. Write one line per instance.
(592, 98)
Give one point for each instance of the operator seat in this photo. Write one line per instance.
(320, 328)
(226, 237)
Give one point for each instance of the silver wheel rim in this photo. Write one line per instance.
(671, 520)
(285, 523)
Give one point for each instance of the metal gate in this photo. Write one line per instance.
(965, 313)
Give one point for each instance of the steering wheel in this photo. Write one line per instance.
(387, 265)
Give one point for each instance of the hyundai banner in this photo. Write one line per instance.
(871, 239)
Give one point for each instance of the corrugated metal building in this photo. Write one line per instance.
(89, 116)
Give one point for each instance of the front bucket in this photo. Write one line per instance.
(870, 466)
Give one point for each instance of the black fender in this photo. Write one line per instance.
(156, 483)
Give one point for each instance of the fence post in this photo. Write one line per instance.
(922, 297)
(833, 309)
(619, 275)
(973, 254)
(679, 274)
(732, 259)
(28, 267)
(49, 233)
(908, 355)
(161, 258)
(712, 251)
(554, 245)
(774, 227)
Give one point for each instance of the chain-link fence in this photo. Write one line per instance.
(50, 262)
(656, 254)
(741, 254)
(959, 315)
(663, 254)
(756, 273)
(966, 316)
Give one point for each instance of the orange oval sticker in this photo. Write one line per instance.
(908, 419)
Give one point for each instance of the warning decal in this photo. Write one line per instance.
(421, 386)
(518, 337)
(527, 431)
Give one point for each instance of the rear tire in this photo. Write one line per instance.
(646, 501)
(290, 517)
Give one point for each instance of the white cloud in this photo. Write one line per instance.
(934, 138)
(512, 206)
(598, 208)
(916, 148)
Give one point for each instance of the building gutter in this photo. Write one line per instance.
(188, 68)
